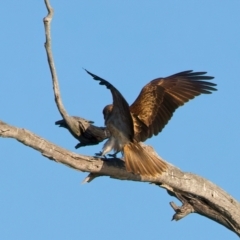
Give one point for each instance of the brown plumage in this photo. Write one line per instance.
(147, 116)
(139, 161)
(158, 100)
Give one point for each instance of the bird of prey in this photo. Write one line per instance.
(147, 116)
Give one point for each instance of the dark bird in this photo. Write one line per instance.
(147, 116)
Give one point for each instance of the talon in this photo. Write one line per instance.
(114, 155)
(99, 154)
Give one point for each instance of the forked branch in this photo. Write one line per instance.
(198, 195)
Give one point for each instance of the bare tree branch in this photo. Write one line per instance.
(198, 195)
(80, 128)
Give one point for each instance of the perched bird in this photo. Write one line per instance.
(147, 116)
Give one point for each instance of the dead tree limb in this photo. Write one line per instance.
(198, 195)
(204, 198)
(81, 129)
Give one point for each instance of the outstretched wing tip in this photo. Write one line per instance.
(91, 74)
(101, 80)
(86, 70)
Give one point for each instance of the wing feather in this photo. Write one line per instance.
(120, 107)
(158, 100)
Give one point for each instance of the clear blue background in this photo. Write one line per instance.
(129, 43)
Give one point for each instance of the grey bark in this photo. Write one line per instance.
(198, 195)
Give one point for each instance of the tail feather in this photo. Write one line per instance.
(139, 161)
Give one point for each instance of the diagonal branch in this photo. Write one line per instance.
(196, 193)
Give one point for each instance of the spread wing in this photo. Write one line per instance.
(158, 100)
(120, 109)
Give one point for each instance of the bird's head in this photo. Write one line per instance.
(107, 111)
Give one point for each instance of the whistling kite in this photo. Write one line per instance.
(150, 112)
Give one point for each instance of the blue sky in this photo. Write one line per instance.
(128, 43)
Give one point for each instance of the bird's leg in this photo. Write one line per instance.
(114, 155)
(100, 154)
(108, 147)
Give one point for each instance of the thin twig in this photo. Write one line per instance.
(81, 129)
(47, 24)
